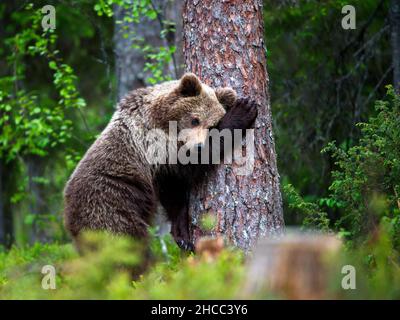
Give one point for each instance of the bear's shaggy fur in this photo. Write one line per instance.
(115, 188)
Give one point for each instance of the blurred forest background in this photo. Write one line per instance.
(336, 118)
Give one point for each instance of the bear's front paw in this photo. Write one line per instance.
(247, 110)
(185, 245)
(241, 115)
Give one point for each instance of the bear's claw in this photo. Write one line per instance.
(185, 245)
(248, 109)
(241, 115)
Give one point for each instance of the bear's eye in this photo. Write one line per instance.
(195, 122)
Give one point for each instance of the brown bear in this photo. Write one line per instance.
(116, 188)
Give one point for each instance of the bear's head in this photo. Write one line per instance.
(196, 108)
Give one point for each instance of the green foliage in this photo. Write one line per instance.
(158, 59)
(366, 185)
(103, 272)
(21, 260)
(135, 9)
(136, 12)
(314, 217)
(377, 267)
(324, 81)
(208, 221)
(43, 126)
(29, 123)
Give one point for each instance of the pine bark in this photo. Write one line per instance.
(224, 46)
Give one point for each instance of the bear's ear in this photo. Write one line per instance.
(189, 86)
(226, 97)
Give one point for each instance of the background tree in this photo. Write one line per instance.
(224, 46)
(6, 213)
(395, 30)
(148, 43)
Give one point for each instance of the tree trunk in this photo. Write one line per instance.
(130, 62)
(174, 14)
(6, 217)
(223, 45)
(36, 199)
(395, 35)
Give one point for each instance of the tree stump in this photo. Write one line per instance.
(297, 266)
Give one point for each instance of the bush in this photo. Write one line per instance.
(366, 184)
(105, 273)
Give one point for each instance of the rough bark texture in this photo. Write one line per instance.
(224, 46)
(129, 61)
(395, 35)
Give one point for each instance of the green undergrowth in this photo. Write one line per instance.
(105, 271)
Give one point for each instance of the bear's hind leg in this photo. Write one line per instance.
(174, 197)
